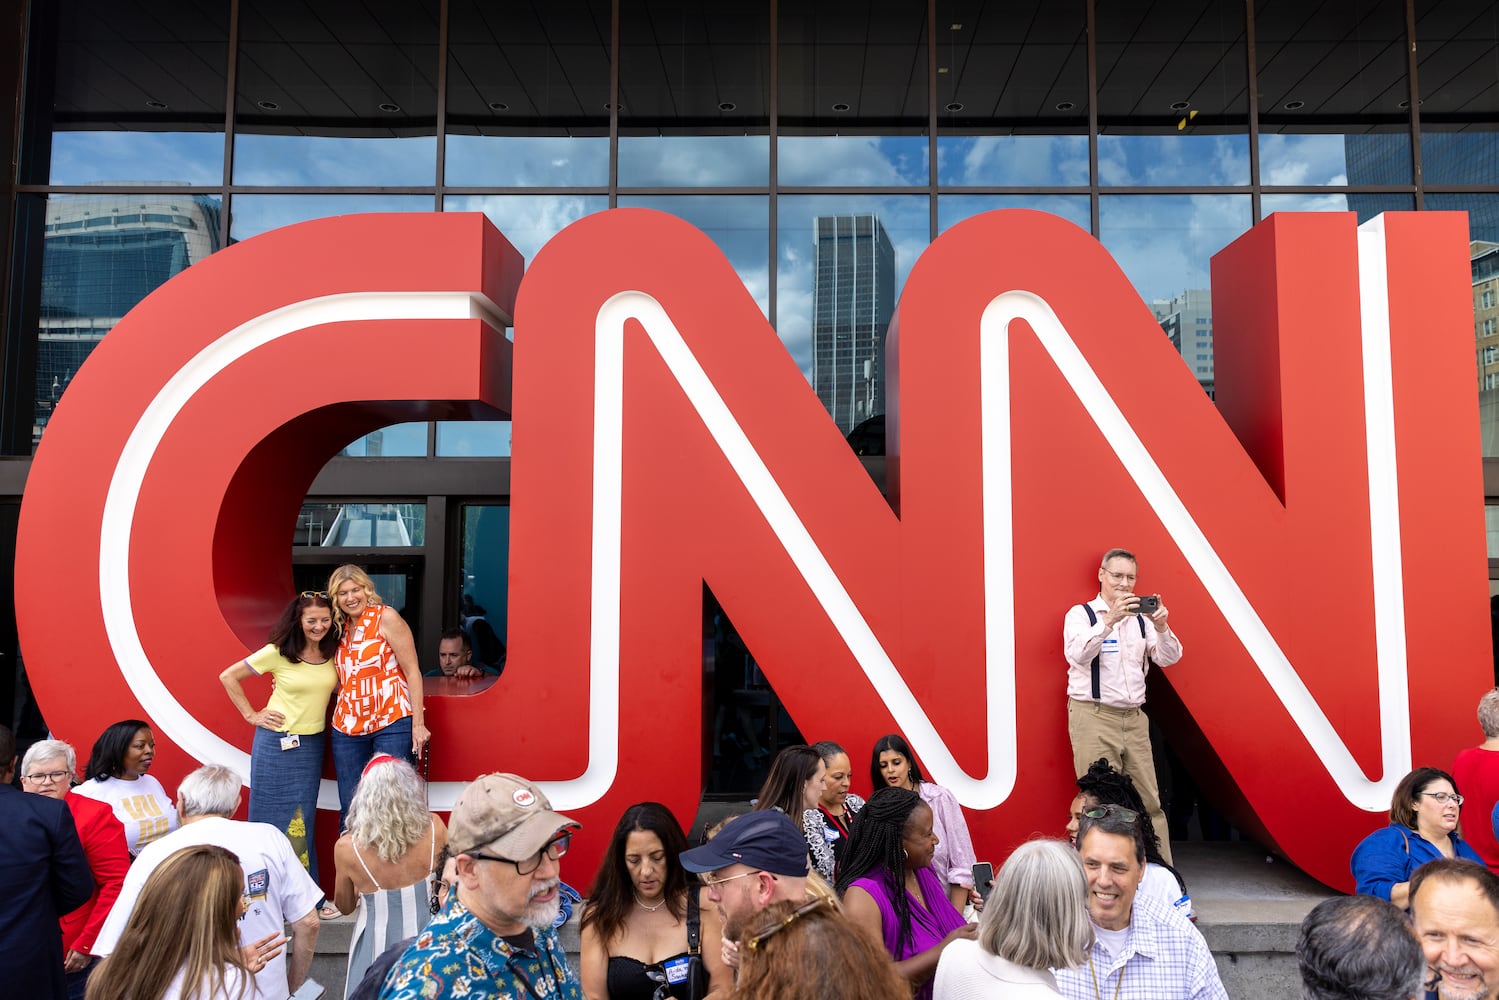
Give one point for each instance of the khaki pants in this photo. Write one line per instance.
(1123, 736)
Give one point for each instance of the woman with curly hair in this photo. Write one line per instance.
(1103, 785)
(795, 949)
(286, 753)
(182, 939)
(889, 888)
(387, 860)
(636, 943)
(379, 707)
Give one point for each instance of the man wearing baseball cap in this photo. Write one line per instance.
(494, 940)
(757, 859)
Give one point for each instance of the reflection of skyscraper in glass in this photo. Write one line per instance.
(1188, 321)
(102, 255)
(853, 297)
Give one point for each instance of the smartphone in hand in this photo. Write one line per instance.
(983, 874)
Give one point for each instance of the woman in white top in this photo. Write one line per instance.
(182, 939)
(387, 861)
(1035, 920)
(116, 774)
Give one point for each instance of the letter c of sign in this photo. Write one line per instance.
(172, 472)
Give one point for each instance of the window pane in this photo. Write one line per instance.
(954, 208)
(362, 525)
(1164, 244)
(473, 438)
(137, 93)
(484, 566)
(252, 214)
(853, 160)
(739, 224)
(1013, 160)
(1483, 230)
(101, 255)
(1459, 75)
(1334, 98)
(842, 261)
(346, 96)
(1366, 205)
(1172, 93)
(694, 94)
(528, 93)
(396, 441)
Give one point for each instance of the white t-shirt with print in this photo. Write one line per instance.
(278, 888)
(142, 807)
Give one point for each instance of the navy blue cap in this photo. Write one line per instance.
(765, 839)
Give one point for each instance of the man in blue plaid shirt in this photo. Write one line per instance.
(1142, 950)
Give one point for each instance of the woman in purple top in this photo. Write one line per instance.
(892, 764)
(889, 888)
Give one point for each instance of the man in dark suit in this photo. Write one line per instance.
(43, 874)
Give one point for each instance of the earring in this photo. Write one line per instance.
(905, 853)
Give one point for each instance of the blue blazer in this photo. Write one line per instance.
(43, 875)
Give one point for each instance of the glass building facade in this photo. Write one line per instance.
(822, 146)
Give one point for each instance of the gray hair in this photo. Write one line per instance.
(1037, 915)
(211, 790)
(1359, 946)
(47, 749)
(1488, 713)
(1118, 554)
(389, 810)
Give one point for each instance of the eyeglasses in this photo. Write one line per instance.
(47, 777)
(314, 593)
(554, 850)
(753, 944)
(1099, 812)
(1444, 797)
(708, 879)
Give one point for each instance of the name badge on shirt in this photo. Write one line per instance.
(1110, 645)
(290, 741)
(676, 969)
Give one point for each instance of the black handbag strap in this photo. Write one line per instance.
(694, 929)
(1093, 620)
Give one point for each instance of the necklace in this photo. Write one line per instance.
(648, 909)
(1117, 984)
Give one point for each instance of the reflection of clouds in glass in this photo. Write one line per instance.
(528, 220)
(852, 160)
(1164, 242)
(1013, 160)
(905, 220)
(305, 160)
(954, 208)
(252, 214)
(739, 224)
(694, 161)
(526, 161)
(1272, 203)
(157, 157)
(1161, 160)
(473, 438)
(1302, 159)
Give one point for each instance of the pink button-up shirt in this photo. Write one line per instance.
(1121, 653)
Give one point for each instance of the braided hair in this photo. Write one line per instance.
(875, 851)
(1110, 787)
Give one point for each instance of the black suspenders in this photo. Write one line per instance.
(1093, 620)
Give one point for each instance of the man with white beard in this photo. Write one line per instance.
(1455, 909)
(495, 940)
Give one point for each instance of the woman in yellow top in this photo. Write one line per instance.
(286, 757)
(379, 708)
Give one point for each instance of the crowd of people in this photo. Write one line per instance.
(119, 891)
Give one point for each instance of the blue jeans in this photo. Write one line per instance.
(351, 753)
(283, 789)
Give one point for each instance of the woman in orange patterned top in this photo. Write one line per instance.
(379, 707)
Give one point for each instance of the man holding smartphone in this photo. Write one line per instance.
(1110, 643)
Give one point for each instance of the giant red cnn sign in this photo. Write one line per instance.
(1318, 534)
